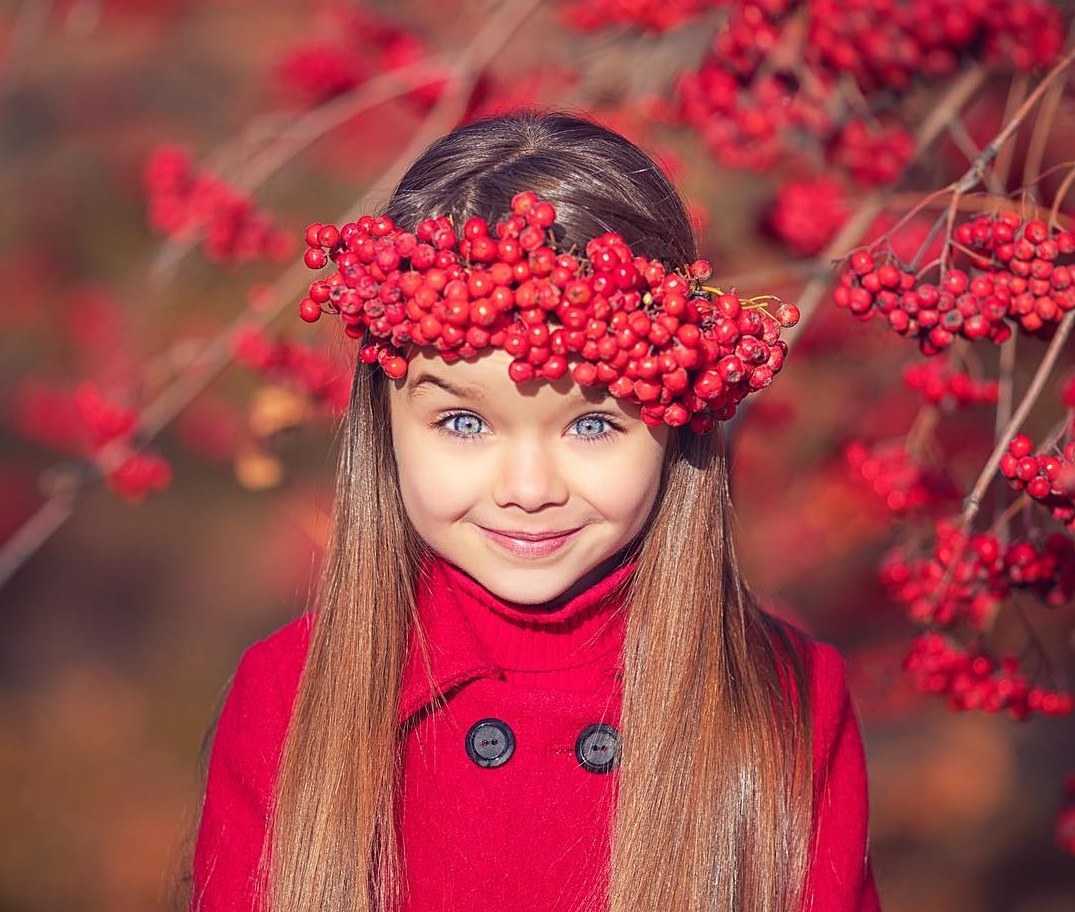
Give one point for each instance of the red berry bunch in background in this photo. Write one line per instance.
(962, 582)
(1006, 271)
(897, 478)
(769, 87)
(1048, 478)
(948, 389)
(808, 213)
(653, 16)
(305, 368)
(872, 153)
(965, 579)
(359, 43)
(975, 680)
(84, 422)
(651, 336)
(187, 203)
(889, 44)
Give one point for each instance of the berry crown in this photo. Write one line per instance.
(684, 351)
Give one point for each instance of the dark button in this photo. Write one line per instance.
(490, 743)
(598, 748)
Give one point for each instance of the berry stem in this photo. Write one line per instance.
(999, 524)
(1061, 194)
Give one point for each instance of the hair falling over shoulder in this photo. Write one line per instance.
(723, 824)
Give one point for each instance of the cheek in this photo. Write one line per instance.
(625, 490)
(433, 485)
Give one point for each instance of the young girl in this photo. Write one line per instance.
(534, 678)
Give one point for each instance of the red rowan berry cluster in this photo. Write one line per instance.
(890, 44)
(933, 591)
(362, 44)
(186, 203)
(750, 114)
(976, 680)
(899, 480)
(1029, 264)
(946, 388)
(1016, 272)
(305, 368)
(140, 474)
(653, 16)
(872, 153)
(608, 317)
(1046, 477)
(808, 213)
(965, 579)
(84, 421)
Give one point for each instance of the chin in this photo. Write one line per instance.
(525, 587)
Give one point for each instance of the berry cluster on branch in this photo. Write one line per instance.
(683, 352)
(897, 478)
(964, 580)
(976, 680)
(653, 16)
(946, 388)
(774, 82)
(188, 204)
(84, 422)
(359, 44)
(1001, 271)
(1047, 478)
(304, 368)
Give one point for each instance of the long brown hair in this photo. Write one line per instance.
(723, 824)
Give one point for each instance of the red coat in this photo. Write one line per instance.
(503, 788)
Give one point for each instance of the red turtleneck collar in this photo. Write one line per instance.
(473, 634)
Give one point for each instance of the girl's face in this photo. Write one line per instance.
(526, 487)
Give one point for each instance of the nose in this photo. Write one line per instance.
(528, 476)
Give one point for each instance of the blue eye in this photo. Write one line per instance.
(463, 424)
(593, 427)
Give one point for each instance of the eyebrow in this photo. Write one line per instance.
(461, 392)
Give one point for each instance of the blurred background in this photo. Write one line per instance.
(121, 622)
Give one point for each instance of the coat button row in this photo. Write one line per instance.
(491, 742)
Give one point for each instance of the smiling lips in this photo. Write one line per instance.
(529, 544)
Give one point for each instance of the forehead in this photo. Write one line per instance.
(485, 380)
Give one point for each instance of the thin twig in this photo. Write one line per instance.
(1005, 389)
(1043, 125)
(1058, 199)
(1039, 137)
(1016, 96)
(974, 174)
(218, 352)
(1041, 375)
(25, 35)
(778, 272)
(968, 202)
(957, 132)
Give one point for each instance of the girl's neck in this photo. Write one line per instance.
(580, 628)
